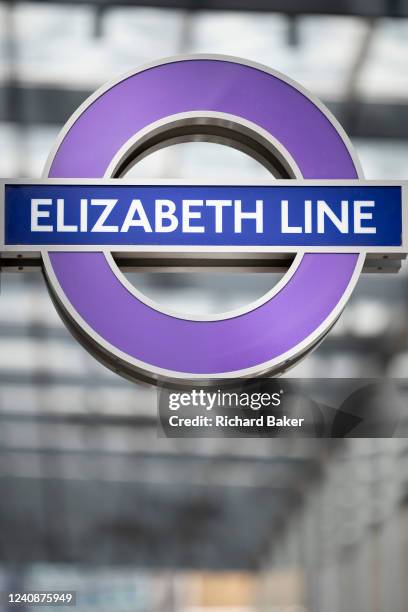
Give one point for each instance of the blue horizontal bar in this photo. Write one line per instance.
(201, 216)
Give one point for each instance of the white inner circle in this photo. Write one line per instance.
(213, 146)
(201, 292)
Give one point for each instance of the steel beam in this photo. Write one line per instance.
(362, 8)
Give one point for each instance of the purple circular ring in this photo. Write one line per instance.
(156, 341)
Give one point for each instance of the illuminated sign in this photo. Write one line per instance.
(316, 216)
(274, 217)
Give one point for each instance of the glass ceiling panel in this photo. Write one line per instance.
(385, 73)
(268, 39)
(49, 39)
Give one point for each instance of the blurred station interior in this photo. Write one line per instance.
(91, 499)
